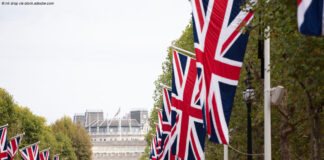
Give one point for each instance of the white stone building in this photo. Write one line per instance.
(118, 139)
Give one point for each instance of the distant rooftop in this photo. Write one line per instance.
(94, 110)
(115, 123)
(138, 109)
(79, 114)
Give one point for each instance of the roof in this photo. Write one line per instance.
(115, 123)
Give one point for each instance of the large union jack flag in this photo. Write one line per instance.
(3, 144)
(186, 101)
(30, 153)
(220, 47)
(13, 146)
(44, 155)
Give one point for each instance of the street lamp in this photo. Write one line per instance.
(248, 95)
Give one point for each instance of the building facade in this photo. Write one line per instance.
(117, 139)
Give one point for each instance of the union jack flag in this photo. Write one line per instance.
(3, 144)
(13, 146)
(30, 153)
(45, 154)
(166, 123)
(220, 47)
(158, 138)
(153, 153)
(186, 101)
(160, 131)
(56, 157)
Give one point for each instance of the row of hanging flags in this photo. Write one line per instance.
(203, 89)
(9, 149)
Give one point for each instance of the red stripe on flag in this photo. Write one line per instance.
(226, 70)
(194, 146)
(199, 12)
(30, 153)
(237, 31)
(4, 133)
(218, 123)
(175, 56)
(167, 99)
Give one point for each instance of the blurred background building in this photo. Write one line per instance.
(116, 138)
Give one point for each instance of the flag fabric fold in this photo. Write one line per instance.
(153, 152)
(310, 15)
(44, 155)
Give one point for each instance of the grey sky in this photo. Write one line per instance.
(86, 54)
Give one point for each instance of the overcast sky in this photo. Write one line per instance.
(86, 54)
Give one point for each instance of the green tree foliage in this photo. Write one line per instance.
(73, 143)
(6, 109)
(64, 147)
(77, 134)
(297, 63)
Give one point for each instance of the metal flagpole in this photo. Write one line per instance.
(3, 126)
(225, 152)
(267, 105)
(30, 145)
(184, 51)
(45, 149)
(165, 86)
(119, 129)
(18, 135)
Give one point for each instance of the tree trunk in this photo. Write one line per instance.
(315, 134)
(314, 119)
(284, 142)
(285, 130)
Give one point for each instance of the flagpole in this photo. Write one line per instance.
(165, 86)
(29, 145)
(4, 126)
(45, 149)
(22, 134)
(184, 51)
(225, 152)
(267, 105)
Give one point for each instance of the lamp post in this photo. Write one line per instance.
(248, 95)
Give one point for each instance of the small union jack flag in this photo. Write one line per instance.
(153, 153)
(158, 139)
(13, 146)
(186, 101)
(30, 153)
(56, 157)
(220, 47)
(3, 144)
(45, 154)
(166, 125)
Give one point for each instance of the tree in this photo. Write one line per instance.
(77, 134)
(72, 141)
